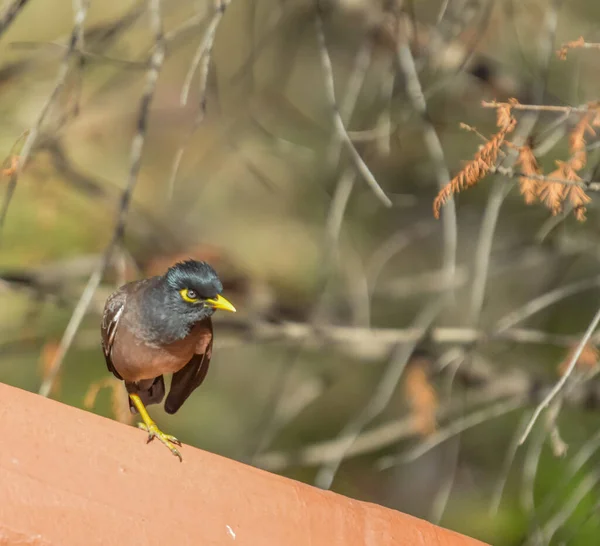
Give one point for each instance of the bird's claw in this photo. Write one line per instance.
(168, 440)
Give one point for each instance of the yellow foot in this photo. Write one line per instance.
(170, 441)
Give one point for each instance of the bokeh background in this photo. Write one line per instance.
(363, 336)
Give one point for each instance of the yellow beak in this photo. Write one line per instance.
(220, 303)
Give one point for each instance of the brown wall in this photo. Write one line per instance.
(71, 478)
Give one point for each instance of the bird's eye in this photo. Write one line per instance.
(189, 295)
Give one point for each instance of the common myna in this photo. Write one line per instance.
(162, 325)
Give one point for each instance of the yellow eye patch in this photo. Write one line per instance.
(191, 296)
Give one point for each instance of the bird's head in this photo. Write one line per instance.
(194, 291)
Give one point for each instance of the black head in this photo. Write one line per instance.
(191, 292)
(196, 277)
(171, 305)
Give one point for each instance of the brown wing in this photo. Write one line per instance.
(190, 377)
(113, 310)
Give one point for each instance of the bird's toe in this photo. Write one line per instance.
(167, 439)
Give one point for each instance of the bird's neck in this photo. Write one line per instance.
(163, 325)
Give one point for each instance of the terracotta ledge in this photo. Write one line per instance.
(72, 478)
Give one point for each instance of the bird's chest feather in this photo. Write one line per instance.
(136, 359)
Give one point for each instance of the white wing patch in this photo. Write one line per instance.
(112, 329)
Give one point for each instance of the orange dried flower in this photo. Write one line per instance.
(422, 398)
(588, 359)
(10, 166)
(504, 116)
(483, 161)
(577, 140)
(553, 194)
(47, 363)
(562, 52)
(118, 398)
(529, 187)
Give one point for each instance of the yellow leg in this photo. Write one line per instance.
(150, 427)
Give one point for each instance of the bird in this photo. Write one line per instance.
(162, 325)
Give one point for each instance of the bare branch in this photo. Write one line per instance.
(580, 43)
(540, 107)
(137, 147)
(75, 43)
(442, 496)
(456, 427)
(562, 381)
(573, 467)
(385, 434)
(510, 173)
(355, 82)
(484, 250)
(406, 63)
(529, 473)
(506, 466)
(498, 193)
(583, 489)
(338, 123)
(542, 302)
(377, 343)
(203, 54)
(379, 399)
(337, 209)
(10, 13)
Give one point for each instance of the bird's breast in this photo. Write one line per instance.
(135, 359)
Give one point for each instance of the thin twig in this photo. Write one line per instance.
(203, 54)
(510, 173)
(380, 131)
(456, 427)
(273, 418)
(83, 52)
(80, 8)
(137, 147)
(189, 24)
(498, 193)
(442, 11)
(338, 123)
(362, 61)
(482, 137)
(385, 434)
(376, 343)
(540, 107)
(569, 536)
(542, 302)
(10, 13)
(442, 496)
(506, 466)
(574, 466)
(580, 43)
(337, 209)
(391, 246)
(414, 91)
(291, 399)
(358, 295)
(384, 127)
(583, 489)
(274, 19)
(380, 398)
(529, 473)
(483, 251)
(562, 381)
